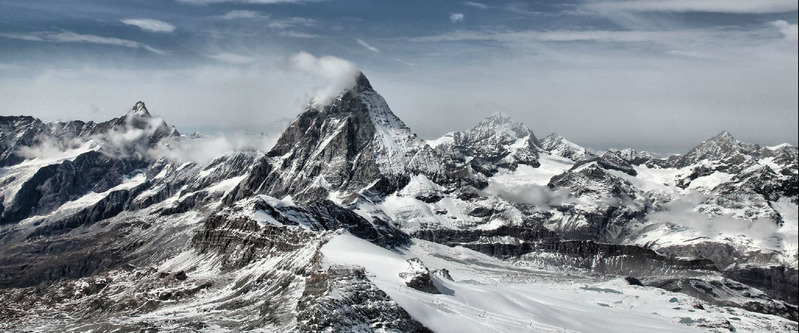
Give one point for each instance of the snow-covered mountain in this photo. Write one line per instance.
(353, 223)
(354, 144)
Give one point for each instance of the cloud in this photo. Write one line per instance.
(337, 74)
(788, 30)
(297, 34)
(554, 36)
(367, 46)
(541, 196)
(71, 37)
(22, 36)
(292, 22)
(456, 17)
(255, 2)
(242, 14)
(524, 37)
(149, 24)
(681, 212)
(205, 149)
(712, 6)
(476, 5)
(232, 58)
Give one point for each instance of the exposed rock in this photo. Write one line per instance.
(724, 292)
(417, 276)
(342, 299)
(633, 281)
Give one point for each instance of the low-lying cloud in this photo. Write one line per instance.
(682, 212)
(532, 194)
(205, 149)
(336, 74)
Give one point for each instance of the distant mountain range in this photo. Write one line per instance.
(353, 223)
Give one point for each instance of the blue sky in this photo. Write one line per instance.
(659, 75)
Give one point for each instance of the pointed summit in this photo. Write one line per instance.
(140, 110)
(362, 83)
(719, 147)
(499, 117)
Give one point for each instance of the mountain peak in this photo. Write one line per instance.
(362, 83)
(724, 136)
(719, 147)
(499, 117)
(558, 145)
(140, 110)
(342, 148)
(499, 125)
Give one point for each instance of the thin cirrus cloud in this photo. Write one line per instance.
(232, 58)
(551, 36)
(709, 6)
(477, 5)
(292, 22)
(367, 46)
(71, 37)
(242, 14)
(263, 2)
(149, 24)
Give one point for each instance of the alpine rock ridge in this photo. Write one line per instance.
(353, 223)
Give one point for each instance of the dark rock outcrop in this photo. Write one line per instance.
(358, 305)
(779, 282)
(417, 276)
(724, 292)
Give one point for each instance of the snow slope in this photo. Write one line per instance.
(491, 295)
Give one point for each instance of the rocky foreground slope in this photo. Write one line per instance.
(353, 223)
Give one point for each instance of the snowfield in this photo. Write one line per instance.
(491, 295)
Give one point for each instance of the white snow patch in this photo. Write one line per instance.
(710, 181)
(445, 139)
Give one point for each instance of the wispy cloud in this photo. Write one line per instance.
(367, 46)
(338, 74)
(71, 37)
(242, 14)
(788, 30)
(22, 36)
(476, 5)
(456, 17)
(297, 34)
(262, 2)
(546, 36)
(149, 24)
(625, 36)
(712, 6)
(231, 58)
(292, 22)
